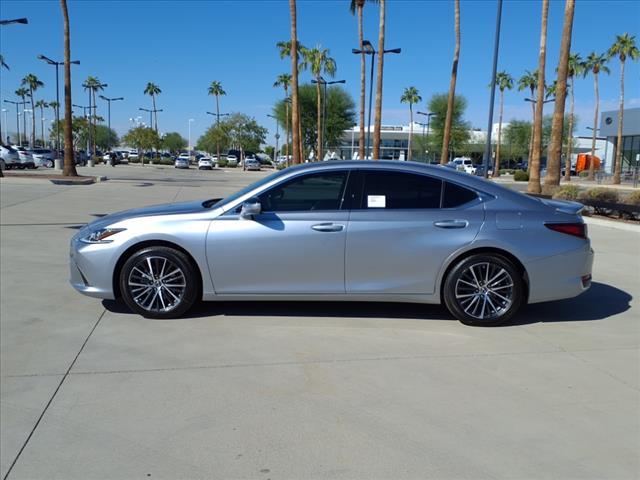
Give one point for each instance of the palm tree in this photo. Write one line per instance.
(357, 6)
(284, 80)
(69, 162)
(153, 91)
(410, 96)
(575, 68)
(504, 82)
(375, 154)
(33, 83)
(41, 104)
(295, 102)
(559, 87)
(2, 63)
(624, 47)
(595, 63)
(284, 48)
(318, 61)
(23, 93)
(530, 80)
(452, 89)
(214, 89)
(534, 167)
(93, 85)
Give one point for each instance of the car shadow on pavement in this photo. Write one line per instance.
(599, 302)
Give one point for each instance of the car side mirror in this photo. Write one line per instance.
(250, 208)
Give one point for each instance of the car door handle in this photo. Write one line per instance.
(451, 223)
(328, 227)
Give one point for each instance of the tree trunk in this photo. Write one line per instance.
(295, 106)
(534, 168)
(618, 165)
(217, 126)
(155, 114)
(554, 151)
(592, 172)
(69, 162)
(378, 118)
(42, 125)
(286, 127)
(319, 120)
(33, 122)
(410, 131)
(496, 168)
(533, 120)
(363, 62)
(95, 121)
(567, 160)
(446, 138)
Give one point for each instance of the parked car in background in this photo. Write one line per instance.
(205, 163)
(42, 157)
(9, 156)
(133, 155)
(251, 164)
(479, 248)
(464, 164)
(181, 162)
(232, 160)
(26, 159)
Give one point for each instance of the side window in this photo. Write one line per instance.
(455, 195)
(398, 190)
(316, 191)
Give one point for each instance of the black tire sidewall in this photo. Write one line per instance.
(450, 282)
(180, 259)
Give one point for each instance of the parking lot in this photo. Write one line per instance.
(300, 390)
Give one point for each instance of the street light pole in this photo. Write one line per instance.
(324, 108)
(109, 100)
(487, 148)
(428, 115)
(17, 118)
(190, 120)
(275, 153)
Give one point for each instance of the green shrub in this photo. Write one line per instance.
(134, 160)
(633, 198)
(222, 163)
(521, 176)
(583, 174)
(567, 192)
(600, 195)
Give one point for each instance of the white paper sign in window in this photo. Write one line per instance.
(376, 201)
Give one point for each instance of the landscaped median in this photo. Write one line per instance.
(56, 178)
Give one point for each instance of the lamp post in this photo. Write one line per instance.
(17, 118)
(218, 115)
(323, 82)
(57, 64)
(84, 114)
(24, 21)
(369, 50)
(275, 153)
(151, 112)
(428, 115)
(109, 100)
(190, 120)
(5, 110)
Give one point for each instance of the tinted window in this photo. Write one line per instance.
(455, 195)
(318, 191)
(397, 190)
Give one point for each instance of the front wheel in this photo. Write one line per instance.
(484, 290)
(159, 282)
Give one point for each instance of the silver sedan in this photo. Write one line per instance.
(356, 230)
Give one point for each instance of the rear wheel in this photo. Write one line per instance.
(484, 290)
(159, 282)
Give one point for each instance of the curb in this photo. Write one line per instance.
(601, 222)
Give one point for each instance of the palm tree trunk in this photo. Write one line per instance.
(69, 169)
(363, 62)
(618, 165)
(295, 106)
(567, 160)
(33, 121)
(319, 120)
(410, 131)
(286, 124)
(217, 125)
(533, 119)
(452, 89)
(42, 125)
(534, 168)
(554, 151)
(595, 128)
(95, 121)
(155, 114)
(496, 168)
(378, 118)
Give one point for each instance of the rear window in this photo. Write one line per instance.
(455, 195)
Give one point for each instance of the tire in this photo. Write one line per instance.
(475, 301)
(49, 164)
(155, 298)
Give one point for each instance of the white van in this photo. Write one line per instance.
(464, 164)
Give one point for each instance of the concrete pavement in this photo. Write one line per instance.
(295, 390)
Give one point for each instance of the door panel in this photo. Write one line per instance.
(295, 252)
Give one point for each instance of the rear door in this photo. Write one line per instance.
(401, 229)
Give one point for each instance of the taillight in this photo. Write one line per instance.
(575, 229)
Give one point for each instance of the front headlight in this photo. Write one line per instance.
(101, 235)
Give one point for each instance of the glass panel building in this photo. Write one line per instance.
(630, 137)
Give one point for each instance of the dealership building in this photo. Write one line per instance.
(630, 139)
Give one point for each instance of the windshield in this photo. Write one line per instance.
(247, 189)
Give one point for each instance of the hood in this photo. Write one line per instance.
(564, 206)
(154, 210)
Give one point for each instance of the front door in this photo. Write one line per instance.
(296, 245)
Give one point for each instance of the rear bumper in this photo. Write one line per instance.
(561, 276)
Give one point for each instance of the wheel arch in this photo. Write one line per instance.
(475, 251)
(152, 243)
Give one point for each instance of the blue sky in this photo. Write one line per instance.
(183, 45)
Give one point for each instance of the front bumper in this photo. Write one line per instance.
(561, 276)
(91, 268)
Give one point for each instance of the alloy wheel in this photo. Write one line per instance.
(484, 290)
(156, 284)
